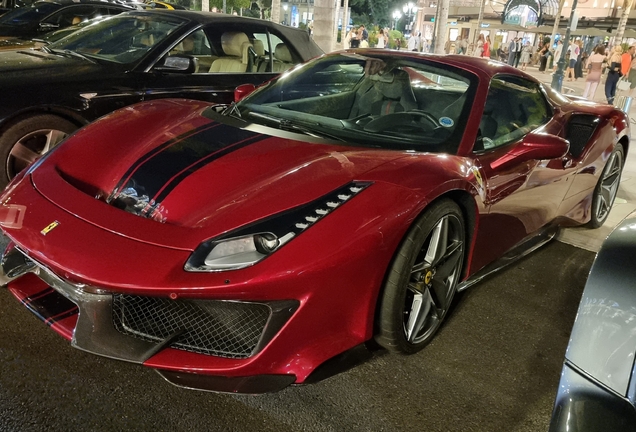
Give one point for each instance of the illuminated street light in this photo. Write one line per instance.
(396, 16)
(409, 10)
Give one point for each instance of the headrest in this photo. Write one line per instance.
(394, 84)
(259, 47)
(282, 53)
(232, 43)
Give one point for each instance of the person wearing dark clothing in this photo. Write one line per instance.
(543, 57)
(613, 74)
(518, 49)
(512, 51)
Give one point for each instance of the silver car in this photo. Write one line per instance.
(597, 391)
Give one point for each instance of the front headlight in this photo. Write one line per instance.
(247, 246)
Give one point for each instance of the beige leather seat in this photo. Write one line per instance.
(237, 47)
(282, 58)
(260, 64)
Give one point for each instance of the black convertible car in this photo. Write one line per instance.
(132, 57)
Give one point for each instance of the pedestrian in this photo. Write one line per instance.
(464, 45)
(487, 46)
(594, 71)
(578, 66)
(411, 44)
(544, 54)
(381, 39)
(626, 60)
(573, 52)
(479, 46)
(613, 74)
(512, 51)
(526, 53)
(447, 46)
(631, 76)
(354, 42)
(558, 51)
(518, 47)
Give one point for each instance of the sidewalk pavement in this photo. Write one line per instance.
(626, 199)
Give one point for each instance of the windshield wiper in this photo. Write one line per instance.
(70, 53)
(289, 125)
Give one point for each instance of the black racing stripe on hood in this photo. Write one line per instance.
(50, 306)
(134, 167)
(159, 172)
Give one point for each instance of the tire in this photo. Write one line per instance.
(422, 279)
(607, 188)
(25, 140)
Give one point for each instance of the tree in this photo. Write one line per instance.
(231, 4)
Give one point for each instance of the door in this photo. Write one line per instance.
(522, 194)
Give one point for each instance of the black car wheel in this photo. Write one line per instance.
(422, 279)
(607, 188)
(27, 139)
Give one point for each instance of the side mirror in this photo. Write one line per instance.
(178, 64)
(243, 90)
(534, 146)
(47, 27)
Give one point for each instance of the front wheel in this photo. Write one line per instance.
(422, 279)
(27, 139)
(607, 188)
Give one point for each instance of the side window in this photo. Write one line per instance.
(282, 58)
(71, 15)
(197, 46)
(514, 107)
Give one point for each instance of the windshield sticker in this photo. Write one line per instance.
(446, 122)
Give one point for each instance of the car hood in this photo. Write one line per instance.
(164, 162)
(33, 65)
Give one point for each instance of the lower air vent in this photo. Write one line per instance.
(219, 328)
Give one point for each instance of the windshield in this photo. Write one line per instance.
(374, 100)
(28, 14)
(123, 38)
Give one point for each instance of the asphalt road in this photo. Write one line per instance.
(494, 366)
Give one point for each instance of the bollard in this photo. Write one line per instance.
(623, 103)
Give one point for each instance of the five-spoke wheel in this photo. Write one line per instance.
(27, 139)
(423, 279)
(607, 188)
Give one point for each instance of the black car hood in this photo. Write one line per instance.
(33, 65)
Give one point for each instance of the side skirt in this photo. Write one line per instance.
(520, 250)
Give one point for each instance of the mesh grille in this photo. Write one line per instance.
(580, 130)
(224, 329)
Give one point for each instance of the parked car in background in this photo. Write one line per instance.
(136, 56)
(44, 16)
(247, 247)
(12, 44)
(597, 391)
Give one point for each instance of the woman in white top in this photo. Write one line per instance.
(381, 39)
(479, 46)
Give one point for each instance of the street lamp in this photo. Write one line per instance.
(410, 10)
(396, 16)
(285, 6)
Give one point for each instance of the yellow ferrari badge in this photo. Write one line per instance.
(49, 228)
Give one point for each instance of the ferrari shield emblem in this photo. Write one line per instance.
(49, 228)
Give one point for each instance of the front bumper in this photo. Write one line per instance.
(116, 326)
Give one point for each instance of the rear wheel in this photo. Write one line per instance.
(27, 139)
(422, 279)
(607, 188)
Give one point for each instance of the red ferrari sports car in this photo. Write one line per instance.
(247, 247)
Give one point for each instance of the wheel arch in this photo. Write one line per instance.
(468, 206)
(61, 112)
